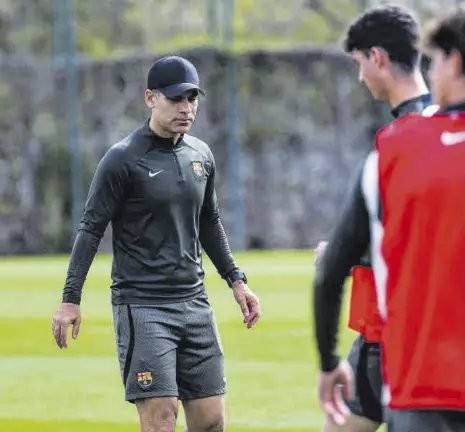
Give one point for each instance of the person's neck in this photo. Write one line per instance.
(406, 88)
(158, 130)
(457, 96)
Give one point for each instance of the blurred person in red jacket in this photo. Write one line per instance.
(421, 167)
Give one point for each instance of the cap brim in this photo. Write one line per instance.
(177, 90)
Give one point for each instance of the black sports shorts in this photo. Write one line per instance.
(365, 360)
(169, 350)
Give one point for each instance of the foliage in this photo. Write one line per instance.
(115, 27)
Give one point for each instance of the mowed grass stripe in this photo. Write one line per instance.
(90, 389)
(18, 425)
(291, 301)
(49, 268)
(272, 370)
(97, 338)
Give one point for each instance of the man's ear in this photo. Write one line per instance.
(455, 59)
(379, 57)
(150, 98)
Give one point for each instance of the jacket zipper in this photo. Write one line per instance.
(181, 178)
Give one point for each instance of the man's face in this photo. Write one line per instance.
(370, 72)
(441, 74)
(174, 116)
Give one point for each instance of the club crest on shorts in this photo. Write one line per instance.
(144, 379)
(197, 167)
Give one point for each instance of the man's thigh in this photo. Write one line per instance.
(207, 414)
(147, 338)
(157, 414)
(365, 360)
(200, 372)
(425, 421)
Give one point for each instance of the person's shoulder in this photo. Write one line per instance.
(198, 145)
(399, 126)
(129, 148)
(363, 165)
(121, 149)
(120, 155)
(369, 163)
(369, 183)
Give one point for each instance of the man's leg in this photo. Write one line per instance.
(157, 414)
(366, 408)
(147, 340)
(425, 421)
(201, 378)
(205, 415)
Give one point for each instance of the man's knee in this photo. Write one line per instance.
(157, 414)
(215, 424)
(209, 423)
(205, 415)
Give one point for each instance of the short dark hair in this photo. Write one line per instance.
(448, 33)
(390, 27)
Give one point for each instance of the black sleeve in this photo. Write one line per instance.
(347, 244)
(106, 193)
(212, 235)
(83, 253)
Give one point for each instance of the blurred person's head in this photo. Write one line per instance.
(172, 95)
(445, 42)
(384, 42)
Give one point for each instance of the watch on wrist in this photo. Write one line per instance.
(235, 276)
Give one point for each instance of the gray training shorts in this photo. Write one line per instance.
(169, 350)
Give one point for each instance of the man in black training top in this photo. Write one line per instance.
(157, 188)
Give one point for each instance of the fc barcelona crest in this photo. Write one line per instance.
(197, 167)
(144, 379)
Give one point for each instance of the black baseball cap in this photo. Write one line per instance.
(173, 76)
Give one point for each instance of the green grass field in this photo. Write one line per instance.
(272, 371)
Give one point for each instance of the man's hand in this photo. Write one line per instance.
(248, 302)
(66, 315)
(333, 388)
(319, 251)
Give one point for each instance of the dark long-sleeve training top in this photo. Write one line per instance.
(160, 199)
(349, 243)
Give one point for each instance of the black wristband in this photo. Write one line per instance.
(234, 276)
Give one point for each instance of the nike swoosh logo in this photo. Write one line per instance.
(452, 138)
(153, 174)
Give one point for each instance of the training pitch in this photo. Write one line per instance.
(272, 370)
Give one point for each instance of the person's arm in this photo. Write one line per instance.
(347, 244)
(212, 235)
(106, 193)
(214, 242)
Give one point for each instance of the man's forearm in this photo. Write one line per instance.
(83, 253)
(215, 243)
